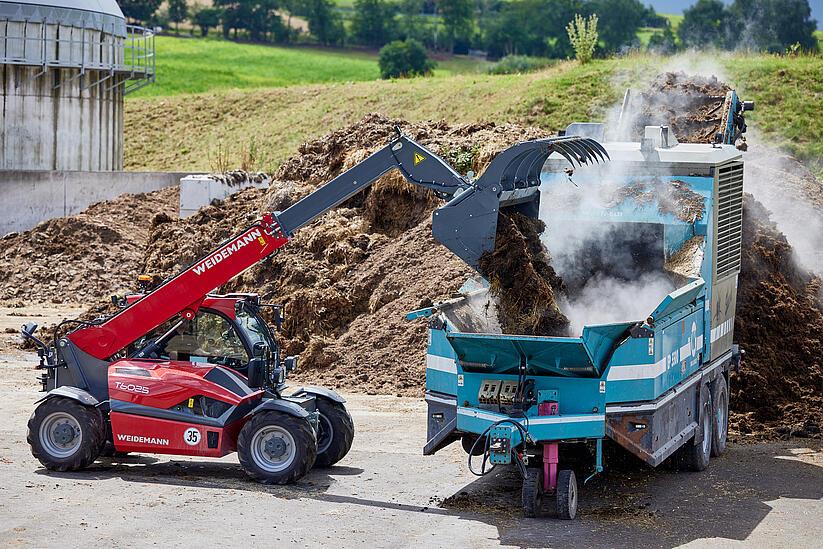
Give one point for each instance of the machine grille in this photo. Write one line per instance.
(729, 219)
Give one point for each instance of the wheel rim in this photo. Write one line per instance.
(707, 434)
(721, 413)
(325, 435)
(273, 448)
(60, 434)
(572, 496)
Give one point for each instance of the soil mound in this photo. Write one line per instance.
(779, 323)
(81, 258)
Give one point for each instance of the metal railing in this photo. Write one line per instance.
(100, 57)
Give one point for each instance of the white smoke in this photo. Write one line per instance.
(605, 299)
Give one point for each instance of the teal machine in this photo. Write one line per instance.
(657, 384)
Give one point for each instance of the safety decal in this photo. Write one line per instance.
(418, 158)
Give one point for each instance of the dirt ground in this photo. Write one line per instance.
(386, 494)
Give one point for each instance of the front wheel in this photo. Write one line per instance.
(335, 432)
(276, 448)
(65, 435)
(532, 492)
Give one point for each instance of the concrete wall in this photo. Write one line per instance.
(28, 197)
(198, 191)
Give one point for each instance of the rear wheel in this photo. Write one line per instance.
(335, 432)
(696, 455)
(65, 435)
(276, 448)
(532, 493)
(720, 416)
(566, 494)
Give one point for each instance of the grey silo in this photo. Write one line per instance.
(66, 66)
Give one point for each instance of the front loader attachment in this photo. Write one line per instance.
(467, 224)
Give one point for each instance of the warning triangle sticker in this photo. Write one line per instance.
(418, 158)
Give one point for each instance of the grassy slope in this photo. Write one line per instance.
(186, 65)
(788, 92)
(186, 133)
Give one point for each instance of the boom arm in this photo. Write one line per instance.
(466, 225)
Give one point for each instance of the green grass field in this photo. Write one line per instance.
(185, 132)
(187, 65)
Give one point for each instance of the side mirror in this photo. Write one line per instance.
(29, 328)
(290, 363)
(257, 367)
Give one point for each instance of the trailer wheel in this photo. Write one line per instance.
(468, 442)
(566, 494)
(276, 448)
(696, 454)
(532, 493)
(720, 416)
(335, 432)
(65, 435)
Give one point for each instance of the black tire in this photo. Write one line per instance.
(109, 451)
(532, 493)
(467, 441)
(720, 416)
(334, 417)
(65, 435)
(696, 455)
(276, 448)
(566, 497)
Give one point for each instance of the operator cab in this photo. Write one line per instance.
(228, 330)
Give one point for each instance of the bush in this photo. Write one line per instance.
(517, 64)
(583, 36)
(404, 58)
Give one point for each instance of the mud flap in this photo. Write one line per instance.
(442, 423)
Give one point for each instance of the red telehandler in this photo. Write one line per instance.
(181, 371)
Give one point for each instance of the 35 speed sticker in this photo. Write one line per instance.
(192, 436)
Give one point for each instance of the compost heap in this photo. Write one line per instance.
(81, 258)
(349, 277)
(690, 105)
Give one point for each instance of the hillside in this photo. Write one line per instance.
(260, 127)
(196, 65)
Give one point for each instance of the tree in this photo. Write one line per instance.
(704, 24)
(403, 59)
(413, 24)
(583, 36)
(772, 25)
(619, 21)
(530, 27)
(458, 22)
(663, 42)
(139, 10)
(373, 22)
(324, 22)
(178, 11)
(206, 18)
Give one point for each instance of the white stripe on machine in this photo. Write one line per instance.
(441, 364)
(543, 420)
(637, 371)
(722, 329)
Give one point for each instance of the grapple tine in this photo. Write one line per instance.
(592, 151)
(567, 153)
(580, 150)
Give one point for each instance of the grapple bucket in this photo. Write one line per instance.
(467, 224)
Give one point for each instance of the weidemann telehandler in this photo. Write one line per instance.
(657, 386)
(181, 371)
